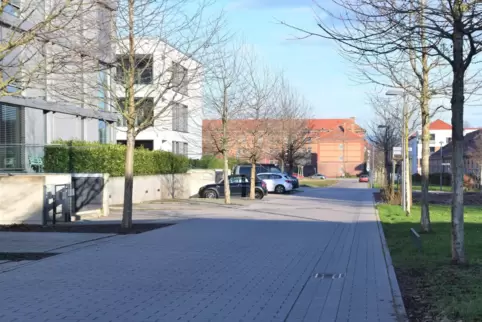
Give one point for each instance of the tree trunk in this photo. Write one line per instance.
(129, 167)
(128, 181)
(252, 180)
(406, 164)
(457, 104)
(425, 210)
(227, 191)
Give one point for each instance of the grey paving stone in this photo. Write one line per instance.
(250, 263)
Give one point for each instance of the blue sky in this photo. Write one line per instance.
(313, 65)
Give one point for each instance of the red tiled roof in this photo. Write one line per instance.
(330, 124)
(440, 125)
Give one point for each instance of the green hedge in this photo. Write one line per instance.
(211, 162)
(91, 157)
(434, 178)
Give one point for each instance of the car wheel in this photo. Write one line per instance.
(280, 189)
(258, 194)
(210, 194)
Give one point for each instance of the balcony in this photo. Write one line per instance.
(21, 158)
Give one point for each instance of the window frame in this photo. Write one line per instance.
(122, 121)
(180, 117)
(143, 77)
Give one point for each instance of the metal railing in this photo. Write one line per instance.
(21, 158)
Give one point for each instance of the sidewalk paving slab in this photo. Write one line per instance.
(223, 267)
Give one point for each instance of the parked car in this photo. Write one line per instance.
(364, 178)
(277, 182)
(245, 169)
(318, 176)
(294, 181)
(239, 186)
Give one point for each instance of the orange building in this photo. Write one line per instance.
(337, 146)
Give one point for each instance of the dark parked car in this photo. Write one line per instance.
(245, 169)
(363, 178)
(239, 186)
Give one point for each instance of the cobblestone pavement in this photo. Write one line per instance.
(311, 256)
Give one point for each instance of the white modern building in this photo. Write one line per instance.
(440, 135)
(45, 103)
(170, 85)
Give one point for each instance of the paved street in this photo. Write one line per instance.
(311, 256)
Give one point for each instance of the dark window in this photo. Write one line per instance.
(432, 137)
(237, 179)
(144, 109)
(12, 7)
(246, 170)
(180, 148)
(11, 137)
(179, 78)
(179, 117)
(432, 149)
(146, 144)
(142, 69)
(275, 177)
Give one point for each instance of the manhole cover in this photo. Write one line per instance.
(328, 276)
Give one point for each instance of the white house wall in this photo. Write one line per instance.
(416, 145)
(161, 133)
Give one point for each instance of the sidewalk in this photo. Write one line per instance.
(329, 267)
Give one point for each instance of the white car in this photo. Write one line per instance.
(276, 182)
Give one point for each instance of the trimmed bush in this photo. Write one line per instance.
(92, 157)
(211, 162)
(434, 179)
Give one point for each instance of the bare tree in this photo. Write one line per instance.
(292, 127)
(386, 130)
(225, 100)
(29, 33)
(260, 107)
(412, 67)
(450, 31)
(155, 80)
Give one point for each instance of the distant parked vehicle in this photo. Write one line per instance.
(364, 178)
(318, 176)
(245, 169)
(294, 181)
(279, 183)
(239, 186)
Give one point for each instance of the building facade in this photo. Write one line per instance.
(440, 135)
(339, 146)
(170, 83)
(440, 161)
(44, 104)
(335, 147)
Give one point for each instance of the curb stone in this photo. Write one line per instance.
(392, 277)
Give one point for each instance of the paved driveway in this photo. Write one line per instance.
(311, 256)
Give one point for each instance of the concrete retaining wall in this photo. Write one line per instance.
(168, 186)
(22, 197)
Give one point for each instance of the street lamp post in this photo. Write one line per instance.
(405, 171)
(441, 164)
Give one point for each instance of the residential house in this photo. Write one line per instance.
(440, 135)
(337, 146)
(440, 161)
(38, 111)
(171, 82)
